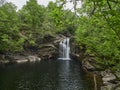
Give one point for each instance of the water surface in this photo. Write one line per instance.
(45, 75)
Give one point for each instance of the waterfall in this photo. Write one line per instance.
(64, 49)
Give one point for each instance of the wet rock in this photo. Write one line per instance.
(32, 58)
(111, 86)
(108, 87)
(22, 61)
(47, 51)
(2, 57)
(4, 61)
(117, 73)
(117, 86)
(87, 65)
(108, 77)
(42, 46)
(58, 39)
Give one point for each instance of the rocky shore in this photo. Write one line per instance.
(110, 79)
(45, 51)
(49, 50)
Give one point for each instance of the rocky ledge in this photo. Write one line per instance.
(21, 59)
(110, 80)
(44, 51)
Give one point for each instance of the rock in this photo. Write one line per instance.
(108, 77)
(88, 65)
(2, 57)
(22, 61)
(32, 58)
(58, 39)
(117, 86)
(108, 87)
(47, 51)
(105, 72)
(4, 61)
(117, 73)
(110, 80)
(38, 59)
(47, 46)
(111, 86)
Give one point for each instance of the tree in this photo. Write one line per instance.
(9, 31)
(98, 31)
(31, 18)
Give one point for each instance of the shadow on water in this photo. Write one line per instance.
(45, 75)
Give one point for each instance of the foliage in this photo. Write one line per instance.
(9, 32)
(96, 25)
(98, 31)
(32, 24)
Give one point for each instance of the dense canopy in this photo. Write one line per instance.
(95, 26)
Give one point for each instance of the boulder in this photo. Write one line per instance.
(108, 87)
(111, 86)
(58, 39)
(47, 51)
(117, 73)
(32, 58)
(22, 61)
(108, 78)
(117, 86)
(87, 65)
(42, 46)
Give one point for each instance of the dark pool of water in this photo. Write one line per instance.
(45, 75)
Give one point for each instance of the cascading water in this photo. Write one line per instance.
(64, 49)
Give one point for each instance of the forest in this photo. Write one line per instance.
(95, 27)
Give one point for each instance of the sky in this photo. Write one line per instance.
(20, 3)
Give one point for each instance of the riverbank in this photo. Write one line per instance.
(49, 51)
(110, 80)
(45, 51)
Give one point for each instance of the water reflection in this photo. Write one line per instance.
(46, 75)
(69, 76)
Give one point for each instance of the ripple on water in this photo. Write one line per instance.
(46, 75)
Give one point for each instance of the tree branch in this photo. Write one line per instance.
(111, 27)
(109, 5)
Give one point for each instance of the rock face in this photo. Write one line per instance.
(107, 77)
(111, 87)
(108, 87)
(50, 50)
(22, 59)
(47, 51)
(33, 58)
(44, 51)
(87, 65)
(110, 81)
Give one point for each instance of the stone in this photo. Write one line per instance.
(38, 59)
(107, 87)
(118, 88)
(21, 61)
(117, 74)
(88, 65)
(33, 58)
(108, 77)
(47, 46)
